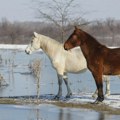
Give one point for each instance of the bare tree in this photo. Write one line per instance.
(10, 30)
(60, 12)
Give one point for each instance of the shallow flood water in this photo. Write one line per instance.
(15, 70)
(14, 67)
(50, 112)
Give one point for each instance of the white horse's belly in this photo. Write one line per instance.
(77, 69)
(59, 66)
(66, 61)
(76, 66)
(75, 61)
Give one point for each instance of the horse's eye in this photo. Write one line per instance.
(75, 37)
(73, 41)
(31, 41)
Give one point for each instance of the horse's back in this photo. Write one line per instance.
(113, 54)
(115, 51)
(112, 61)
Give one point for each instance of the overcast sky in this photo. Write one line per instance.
(20, 10)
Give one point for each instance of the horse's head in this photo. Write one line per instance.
(74, 40)
(34, 44)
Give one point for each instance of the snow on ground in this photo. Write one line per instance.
(15, 46)
(84, 98)
(112, 100)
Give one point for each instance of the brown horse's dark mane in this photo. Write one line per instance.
(90, 39)
(89, 44)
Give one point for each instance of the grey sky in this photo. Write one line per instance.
(19, 10)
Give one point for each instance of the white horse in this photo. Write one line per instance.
(61, 60)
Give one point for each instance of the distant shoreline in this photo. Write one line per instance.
(14, 47)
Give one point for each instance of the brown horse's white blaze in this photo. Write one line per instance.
(100, 59)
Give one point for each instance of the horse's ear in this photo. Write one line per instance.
(35, 34)
(76, 28)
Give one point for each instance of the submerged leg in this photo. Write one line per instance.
(60, 87)
(69, 92)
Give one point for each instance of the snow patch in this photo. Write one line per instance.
(14, 46)
(84, 98)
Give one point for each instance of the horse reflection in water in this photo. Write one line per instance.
(61, 60)
(100, 59)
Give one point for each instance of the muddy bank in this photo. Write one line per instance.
(97, 107)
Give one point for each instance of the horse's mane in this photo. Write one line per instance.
(49, 40)
(91, 38)
(49, 45)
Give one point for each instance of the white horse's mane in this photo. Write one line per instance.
(49, 45)
(49, 40)
(53, 41)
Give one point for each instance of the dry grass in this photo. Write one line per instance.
(1, 79)
(35, 67)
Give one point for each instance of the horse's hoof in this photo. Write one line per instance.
(56, 98)
(94, 95)
(69, 95)
(97, 102)
(107, 95)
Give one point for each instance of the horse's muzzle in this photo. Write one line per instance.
(27, 52)
(65, 47)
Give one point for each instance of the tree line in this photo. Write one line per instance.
(107, 32)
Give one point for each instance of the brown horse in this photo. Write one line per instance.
(100, 59)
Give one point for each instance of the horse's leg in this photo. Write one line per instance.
(98, 79)
(95, 94)
(60, 87)
(107, 92)
(67, 85)
(107, 80)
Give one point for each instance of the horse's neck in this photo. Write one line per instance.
(50, 46)
(89, 46)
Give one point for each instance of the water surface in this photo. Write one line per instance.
(50, 112)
